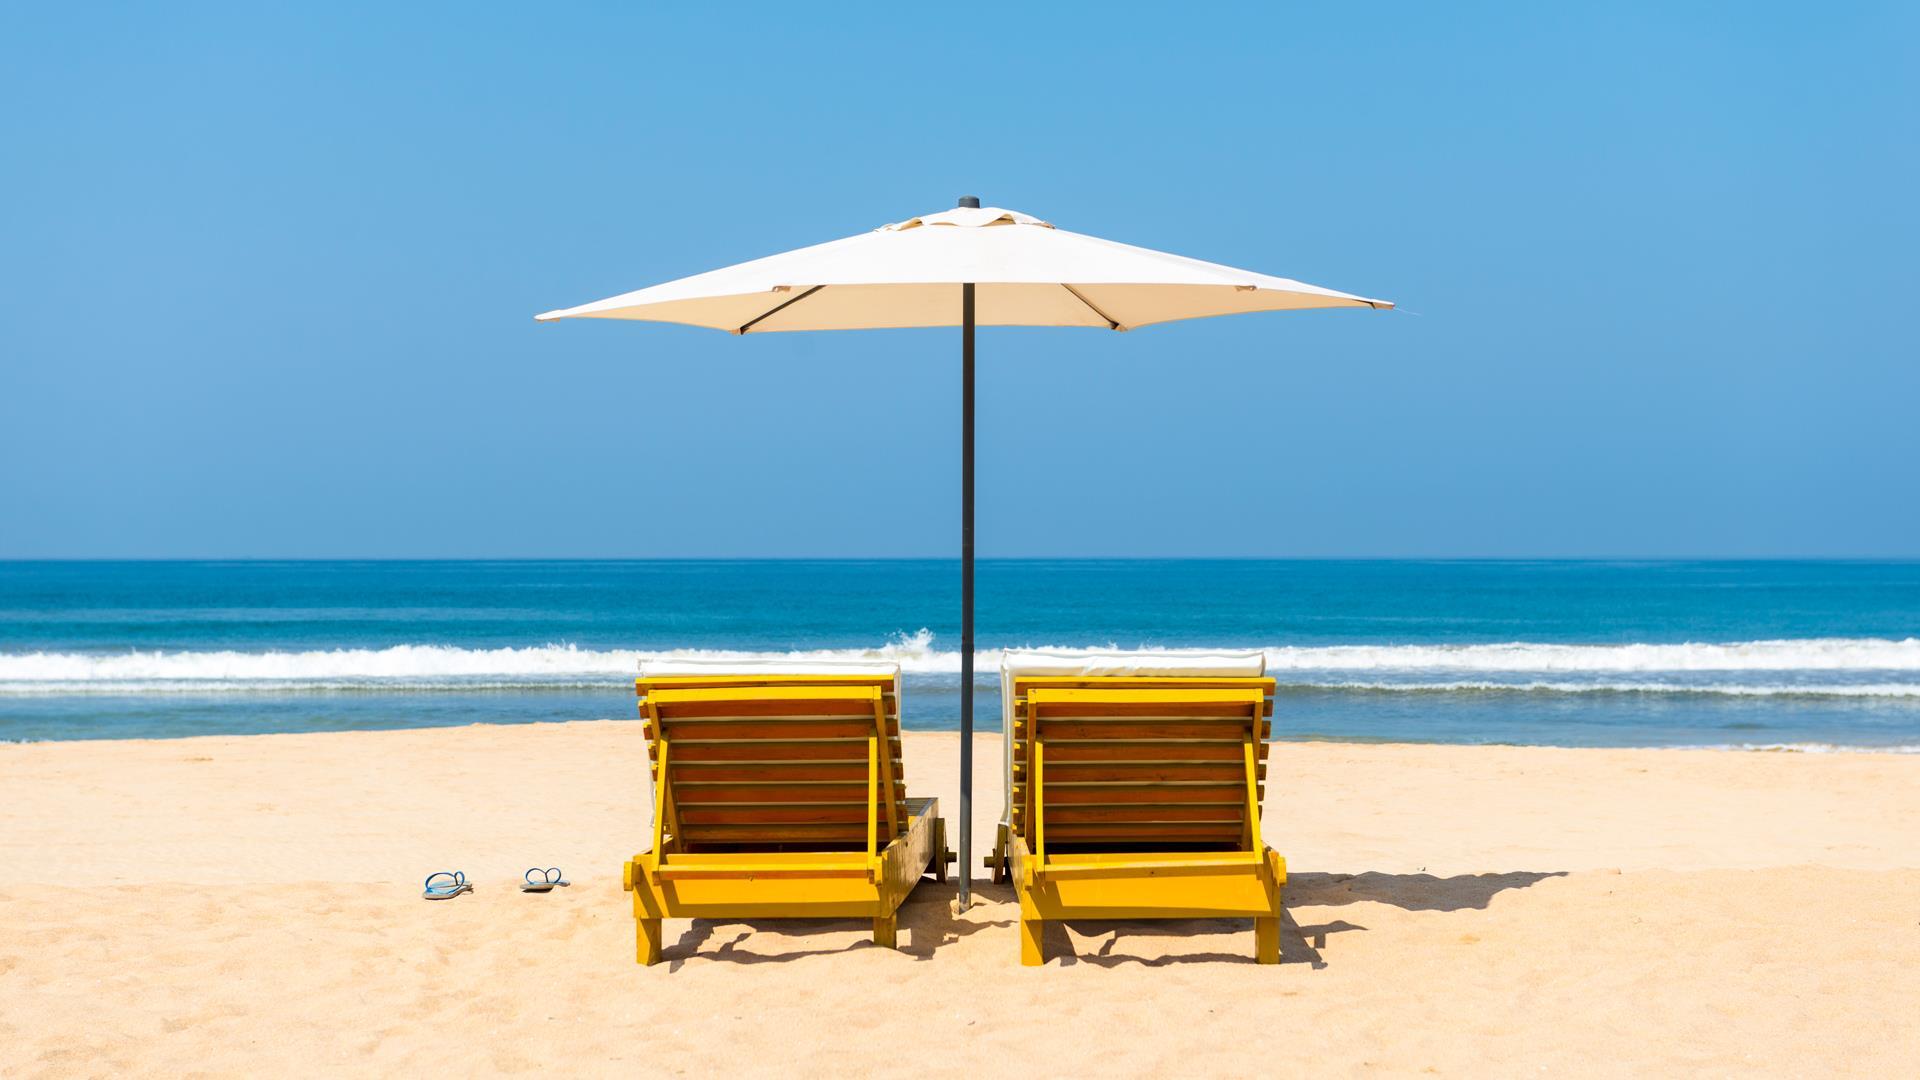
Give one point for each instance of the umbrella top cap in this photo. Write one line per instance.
(968, 217)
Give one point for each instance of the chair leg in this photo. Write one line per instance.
(1266, 940)
(648, 939)
(940, 850)
(886, 931)
(1032, 927)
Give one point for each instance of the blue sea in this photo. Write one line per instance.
(1809, 655)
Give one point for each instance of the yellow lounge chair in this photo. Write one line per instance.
(1134, 789)
(778, 793)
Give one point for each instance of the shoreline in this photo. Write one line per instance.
(1804, 747)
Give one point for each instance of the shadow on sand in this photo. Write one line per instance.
(1298, 943)
(1411, 892)
(927, 922)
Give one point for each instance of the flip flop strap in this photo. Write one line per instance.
(456, 880)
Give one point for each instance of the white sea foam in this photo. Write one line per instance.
(1801, 654)
(398, 662)
(1810, 666)
(1804, 748)
(1867, 690)
(916, 654)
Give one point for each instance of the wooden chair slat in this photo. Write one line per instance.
(684, 731)
(693, 793)
(1120, 794)
(1144, 812)
(825, 750)
(1063, 731)
(1230, 711)
(1148, 752)
(778, 815)
(1132, 833)
(781, 772)
(1143, 772)
(773, 834)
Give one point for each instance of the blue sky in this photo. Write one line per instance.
(267, 280)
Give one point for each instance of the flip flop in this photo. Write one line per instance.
(539, 880)
(445, 885)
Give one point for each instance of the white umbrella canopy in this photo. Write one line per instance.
(965, 267)
(1027, 273)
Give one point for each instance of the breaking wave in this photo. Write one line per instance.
(1838, 667)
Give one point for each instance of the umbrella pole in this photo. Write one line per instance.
(966, 596)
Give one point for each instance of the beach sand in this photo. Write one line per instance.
(251, 904)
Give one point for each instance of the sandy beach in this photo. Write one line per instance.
(239, 905)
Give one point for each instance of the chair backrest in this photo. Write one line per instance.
(798, 757)
(1137, 761)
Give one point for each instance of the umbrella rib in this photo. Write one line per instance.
(1111, 323)
(778, 308)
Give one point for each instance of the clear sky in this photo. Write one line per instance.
(267, 279)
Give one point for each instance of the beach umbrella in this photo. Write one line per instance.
(967, 267)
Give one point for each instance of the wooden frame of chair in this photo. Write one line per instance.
(1138, 797)
(778, 796)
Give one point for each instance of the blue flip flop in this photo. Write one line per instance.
(539, 880)
(445, 885)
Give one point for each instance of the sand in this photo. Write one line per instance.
(234, 906)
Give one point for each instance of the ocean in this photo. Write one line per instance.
(1807, 655)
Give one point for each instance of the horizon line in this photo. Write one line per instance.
(15, 560)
